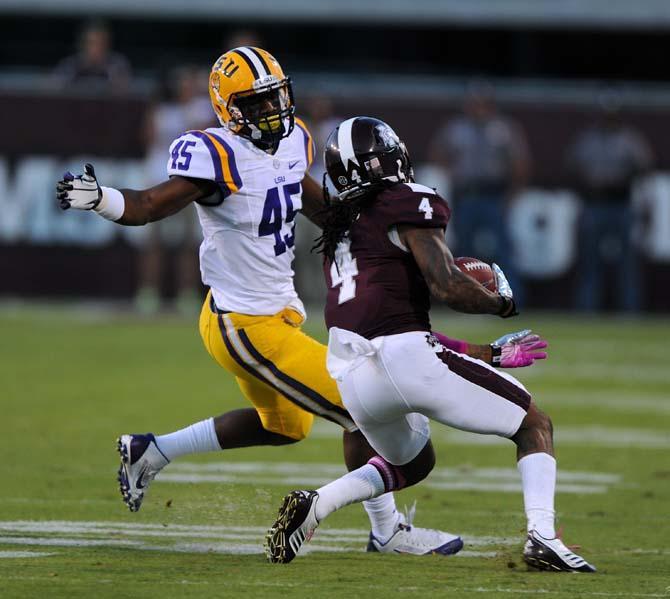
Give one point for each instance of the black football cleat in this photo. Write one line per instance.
(552, 555)
(295, 525)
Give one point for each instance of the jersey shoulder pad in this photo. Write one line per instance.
(413, 204)
(205, 155)
(307, 140)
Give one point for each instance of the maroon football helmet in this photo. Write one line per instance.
(364, 153)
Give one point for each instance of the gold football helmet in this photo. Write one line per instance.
(251, 96)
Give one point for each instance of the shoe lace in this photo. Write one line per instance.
(415, 535)
(408, 515)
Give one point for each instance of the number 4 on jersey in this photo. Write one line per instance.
(343, 270)
(426, 208)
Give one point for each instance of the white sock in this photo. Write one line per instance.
(197, 438)
(363, 483)
(383, 516)
(538, 477)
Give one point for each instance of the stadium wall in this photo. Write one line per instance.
(44, 253)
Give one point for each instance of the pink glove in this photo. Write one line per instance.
(516, 350)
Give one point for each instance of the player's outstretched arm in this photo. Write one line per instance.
(445, 281)
(130, 206)
(514, 350)
(164, 199)
(313, 204)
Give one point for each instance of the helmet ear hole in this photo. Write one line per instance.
(375, 167)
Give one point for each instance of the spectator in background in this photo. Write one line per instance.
(487, 158)
(321, 120)
(603, 163)
(95, 66)
(486, 155)
(242, 37)
(183, 104)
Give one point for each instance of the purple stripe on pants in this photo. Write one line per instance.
(485, 378)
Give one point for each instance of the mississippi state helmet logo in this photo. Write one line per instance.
(388, 136)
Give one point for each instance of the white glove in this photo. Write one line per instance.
(505, 290)
(502, 284)
(79, 191)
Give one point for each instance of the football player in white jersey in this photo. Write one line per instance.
(248, 181)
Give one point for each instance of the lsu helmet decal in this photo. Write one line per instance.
(251, 96)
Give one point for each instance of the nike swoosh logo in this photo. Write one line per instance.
(292, 164)
(139, 484)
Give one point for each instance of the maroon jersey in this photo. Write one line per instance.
(379, 289)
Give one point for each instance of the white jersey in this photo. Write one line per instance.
(248, 244)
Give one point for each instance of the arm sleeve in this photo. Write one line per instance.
(205, 155)
(414, 205)
(456, 345)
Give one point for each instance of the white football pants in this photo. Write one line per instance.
(392, 385)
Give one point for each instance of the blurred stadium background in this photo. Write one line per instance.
(545, 123)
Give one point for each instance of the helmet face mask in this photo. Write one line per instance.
(252, 97)
(364, 154)
(263, 115)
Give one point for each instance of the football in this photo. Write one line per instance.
(478, 270)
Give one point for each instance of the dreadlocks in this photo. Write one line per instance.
(338, 216)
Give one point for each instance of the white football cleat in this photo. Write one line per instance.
(408, 538)
(295, 525)
(141, 461)
(553, 555)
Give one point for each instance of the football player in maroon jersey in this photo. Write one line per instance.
(384, 256)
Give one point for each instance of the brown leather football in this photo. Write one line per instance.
(478, 270)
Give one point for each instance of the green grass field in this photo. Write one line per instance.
(71, 382)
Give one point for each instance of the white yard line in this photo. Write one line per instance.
(23, 554)
(588, 436)
(521, 591)
(63, 542)
(285, 468)
(316, 481)
(446, 589)
(295, 474)
(603, 372)
(634, 403)
(181, 538)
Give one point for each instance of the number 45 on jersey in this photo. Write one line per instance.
(272, 222)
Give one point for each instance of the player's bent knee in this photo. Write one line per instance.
(273, 438)
(536, 420)
(283, 427)
(540, 421)
(536, 432)
(421, 466)
(547, 424)
(405, 475)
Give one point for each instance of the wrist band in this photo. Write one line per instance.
(508, 308)
(496, 356)
(112, 205)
